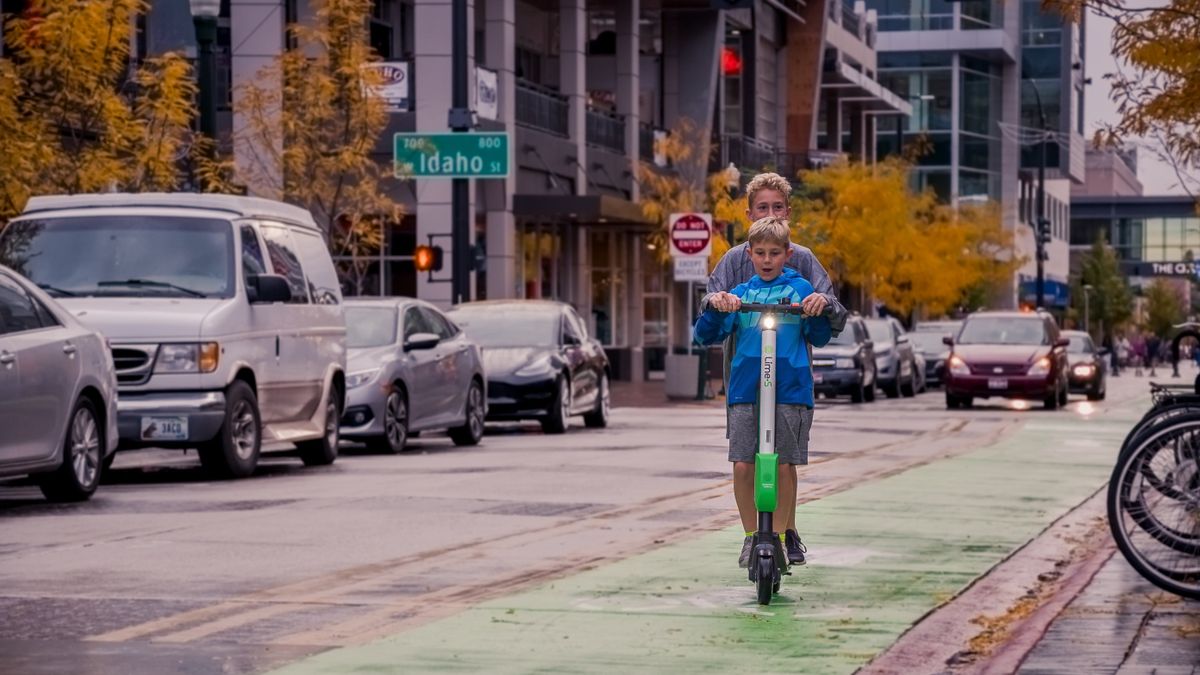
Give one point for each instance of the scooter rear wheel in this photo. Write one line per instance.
(765, 583)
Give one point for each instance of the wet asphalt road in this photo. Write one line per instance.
(166, 571)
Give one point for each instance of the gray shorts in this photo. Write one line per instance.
(792, 424)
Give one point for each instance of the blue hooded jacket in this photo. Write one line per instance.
(793, 335)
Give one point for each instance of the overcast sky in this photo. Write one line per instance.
(1157, 177)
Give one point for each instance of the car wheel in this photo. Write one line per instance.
(892, 389)
(558, 418)
(77, 477)
(598, 418)
(471, 432)
(324, 450)
(395, 425)
(856, 393)
(952, 402)
(869, 392)
(234, 452)
(1050, 402)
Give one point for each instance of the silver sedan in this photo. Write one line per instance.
(410, 369)
(58, 391)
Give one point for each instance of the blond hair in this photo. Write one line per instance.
(769, 230)
(767, 181)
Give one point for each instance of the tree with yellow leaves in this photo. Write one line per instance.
(685, 185)
(899, 247)
(313, 125)
(1157, 83)
(74, 117)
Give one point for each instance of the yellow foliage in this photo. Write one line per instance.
(869, 229)
(685, 186)
(312, 127)
(73, 118)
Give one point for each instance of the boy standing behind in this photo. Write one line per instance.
(772, 282)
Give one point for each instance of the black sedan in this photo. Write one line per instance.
(539, 361)
(1088, 371)
(931, 345)
(846, 366)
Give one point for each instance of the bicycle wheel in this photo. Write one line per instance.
(1156, 415)
(1148, 431)
(1160, 535)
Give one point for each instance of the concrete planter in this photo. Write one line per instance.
(682, 373)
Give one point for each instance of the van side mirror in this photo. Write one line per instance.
(421, 341)
(948, 341)
(902, 340)
(1062, 342)
(264, 289)
(868, 344)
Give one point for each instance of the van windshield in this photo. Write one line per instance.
(123, 256)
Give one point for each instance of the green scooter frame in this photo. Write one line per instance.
(768, 562)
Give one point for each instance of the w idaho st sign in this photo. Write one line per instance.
(462, 155)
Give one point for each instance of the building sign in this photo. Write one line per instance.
(487, 94)
(1138, 268)
(690, 234)
(394, 85)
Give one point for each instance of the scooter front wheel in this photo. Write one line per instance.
(765, 581)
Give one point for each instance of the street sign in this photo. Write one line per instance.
(462, 155)
(691, 268)
(691, 234)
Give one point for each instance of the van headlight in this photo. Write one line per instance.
(360, 378)
(193, 357)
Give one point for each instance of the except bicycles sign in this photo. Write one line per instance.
(461, 155)
(691, 234)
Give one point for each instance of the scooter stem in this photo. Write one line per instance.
(766, 466)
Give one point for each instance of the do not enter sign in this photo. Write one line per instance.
(691, 234)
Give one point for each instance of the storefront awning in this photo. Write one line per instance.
(582, 209)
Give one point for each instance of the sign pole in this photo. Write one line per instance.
(460, 121)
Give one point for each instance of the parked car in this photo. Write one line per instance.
(539, 360)
(929, 346)
(58, 391)
(410, 369)
(846, 366)
(224, 316)
(893, 357)
(1017, 355)
(947, 327)
(1088, 366)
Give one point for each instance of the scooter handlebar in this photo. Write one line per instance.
(771, 308)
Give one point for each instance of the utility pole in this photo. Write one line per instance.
(460, 121)
(1042, 231)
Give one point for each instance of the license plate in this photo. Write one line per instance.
(997, 383)
(818, 378)
(164, 428)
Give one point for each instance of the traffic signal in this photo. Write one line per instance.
(427, 258)
(1044, 231)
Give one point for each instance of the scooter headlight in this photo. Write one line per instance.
(768, 322)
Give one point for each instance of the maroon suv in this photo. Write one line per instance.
(1008, 354)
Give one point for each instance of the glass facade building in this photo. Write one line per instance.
(1139, 229)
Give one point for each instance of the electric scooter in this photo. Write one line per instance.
(768, 562)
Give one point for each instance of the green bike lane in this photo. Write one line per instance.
(882, 556)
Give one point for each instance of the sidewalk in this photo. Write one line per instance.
(651, 394)
(883, 555)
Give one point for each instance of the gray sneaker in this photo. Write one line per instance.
(744, 558)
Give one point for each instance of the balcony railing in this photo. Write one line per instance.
(606, 129)
(541, 108)
(744, 152)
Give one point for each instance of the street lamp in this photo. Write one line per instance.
(1087, 291)
(204, 16)
(733, 182)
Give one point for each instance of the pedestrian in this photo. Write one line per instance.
(767, 194)
(1138, 350)
(1152, 344)
(772, 283)
(1123, 350)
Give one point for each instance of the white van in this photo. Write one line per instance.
(224, 315)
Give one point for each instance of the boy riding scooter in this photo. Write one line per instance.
(772, 284)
